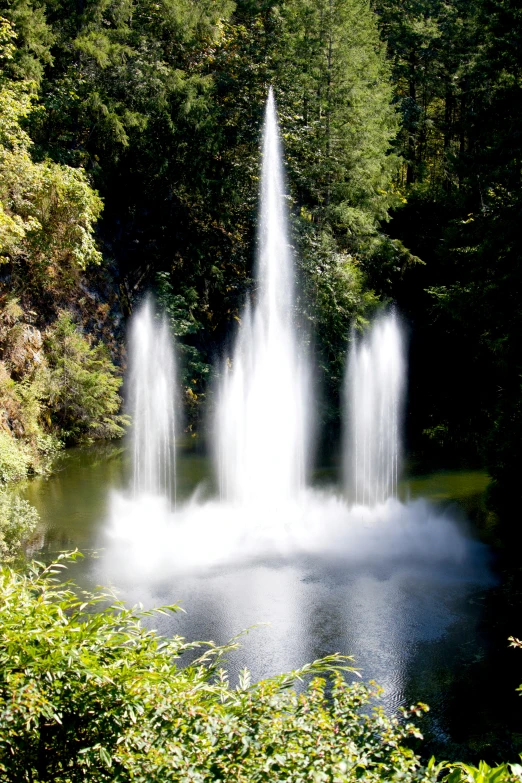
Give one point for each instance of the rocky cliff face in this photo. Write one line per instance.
(21, 358)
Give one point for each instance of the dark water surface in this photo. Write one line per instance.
(410, 626)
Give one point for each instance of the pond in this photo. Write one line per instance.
(410, 624)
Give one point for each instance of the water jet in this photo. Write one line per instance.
(262, 413)
(152, 385)
(374, 389)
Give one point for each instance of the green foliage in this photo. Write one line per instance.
(181, 310)
(26, 445)
(34, 37)
(53, 387)
(430, 44)
(466, 773)
(58, 208)
(82, 384)
(455, 69)
(15, 459)
(25, 448)
(334, 297)
(18, 520)
(338, 122)
(88, 694)
(164, 105)
(47, 210)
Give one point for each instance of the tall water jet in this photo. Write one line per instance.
(151, 404)
(374, 399)
(261, 417)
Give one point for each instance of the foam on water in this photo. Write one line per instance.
(206, 534)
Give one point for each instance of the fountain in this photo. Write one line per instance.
(373, 401)
(265, 508)
(152, 384)
(261, 422)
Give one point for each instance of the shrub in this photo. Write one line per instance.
(52, 387)
(18, 520)
(82, 384)
(15, 460)
(465, 773)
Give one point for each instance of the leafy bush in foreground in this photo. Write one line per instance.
(91, 695)
(94, 696)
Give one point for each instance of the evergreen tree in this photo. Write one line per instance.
(82, 385)
(328, 68)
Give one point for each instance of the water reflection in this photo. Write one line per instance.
(385, 618)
